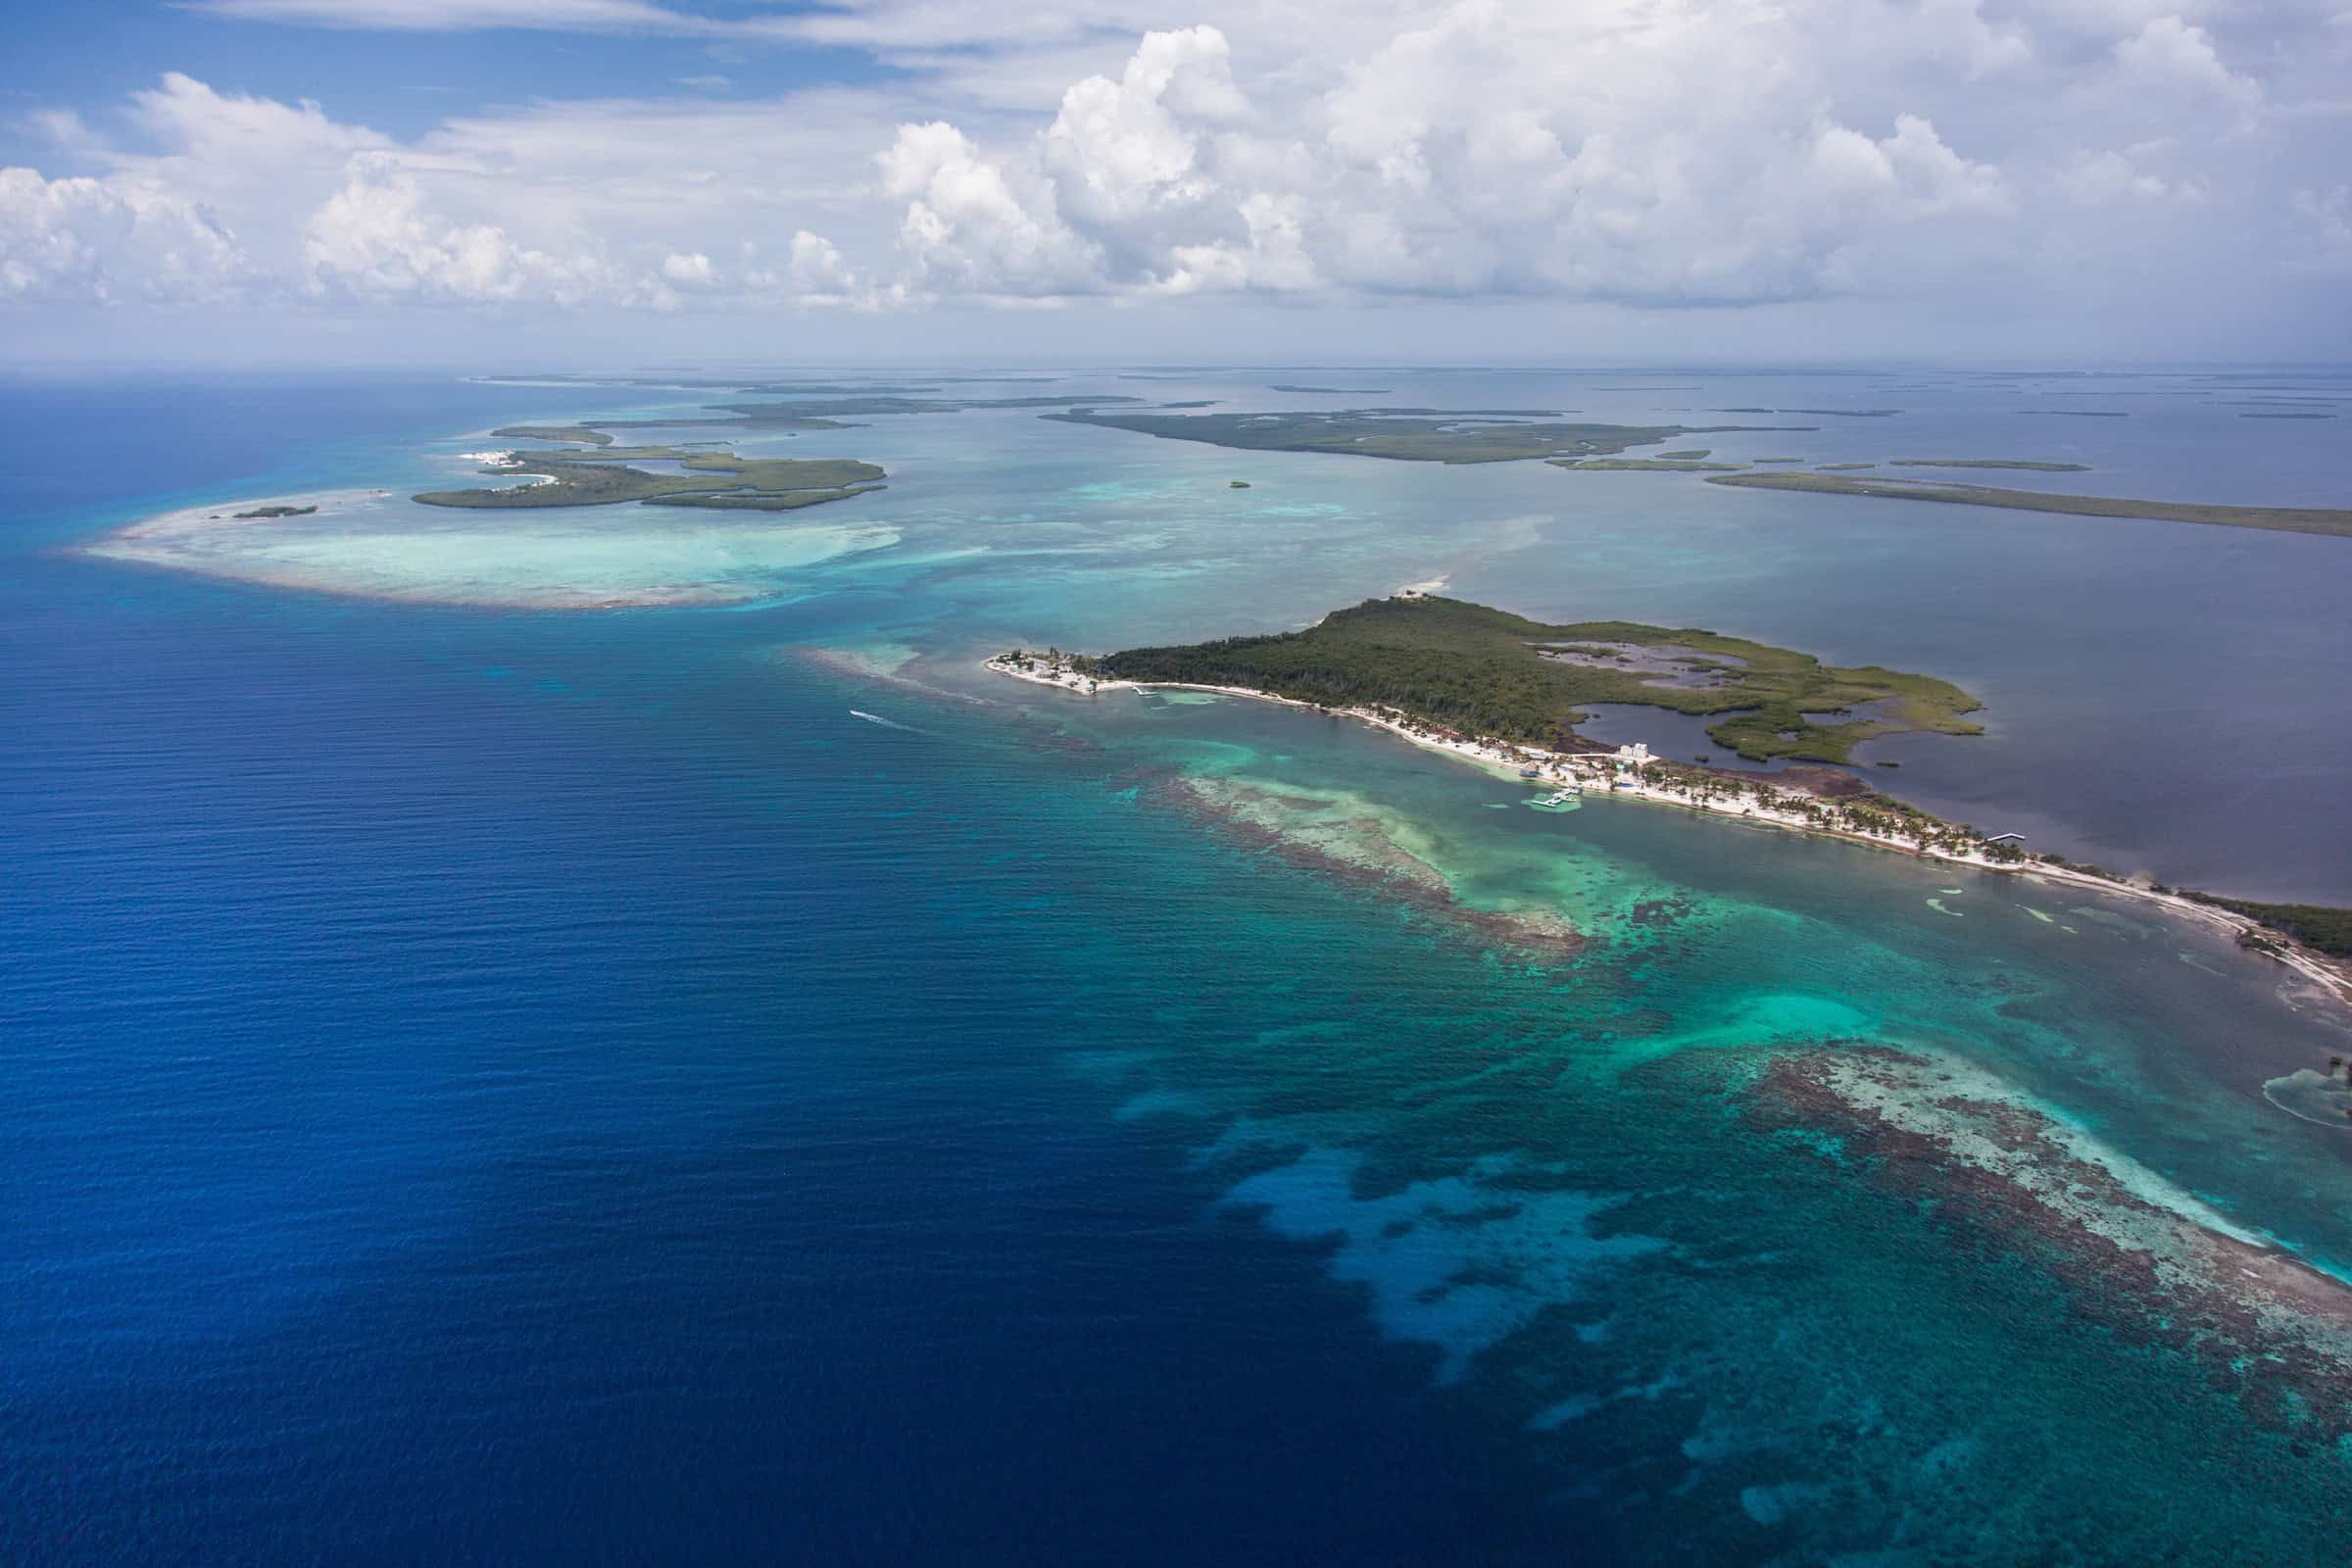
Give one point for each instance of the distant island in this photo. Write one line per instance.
(831, 412)
(1989, 462)
(1830, 414)
(1413, 435)
(1645, 464)
(553, 432)
(760, 389)
(2283, 520)
(598, 478)
(273, 512)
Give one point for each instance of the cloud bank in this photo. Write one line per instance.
(1961, 157)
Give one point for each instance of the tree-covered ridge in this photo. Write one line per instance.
(1486, 672)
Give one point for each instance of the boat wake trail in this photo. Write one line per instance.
(886, 723)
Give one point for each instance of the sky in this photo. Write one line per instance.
(582, 184)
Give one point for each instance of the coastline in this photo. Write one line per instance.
(1602, 769)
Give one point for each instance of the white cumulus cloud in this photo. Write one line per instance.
(1493, 151)
(98, 241)
(1947, 159)
(376, 238)
(977, 224)
(2169, 54)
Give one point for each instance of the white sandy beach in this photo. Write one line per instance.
(1598, 772)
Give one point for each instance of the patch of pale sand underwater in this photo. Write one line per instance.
(377, 544)
(1547, 887)
(221, 519)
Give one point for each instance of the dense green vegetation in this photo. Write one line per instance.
(2316, 925)
(760, 500)
(275, 511)
(1487, 673)
(1421, 435)
(554, 432)
(532, 458)
(1990, 463)
(717, 479)
(767, 426)
(2284, 520)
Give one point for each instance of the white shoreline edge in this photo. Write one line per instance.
(1588, 767)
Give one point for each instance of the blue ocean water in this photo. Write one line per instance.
(537, 1092)
(503, 1084)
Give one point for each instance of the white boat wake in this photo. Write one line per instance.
(877, 719)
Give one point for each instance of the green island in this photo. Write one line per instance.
(1646, 465)
(1413, 435)
(2283, 520)
(553, 432)
(1989, 462)
(716, 479)
(1843, 468)
(1488, 672)
(706, 384)
(1685, 455)
(275, 511)
(534, 459)
(807, 414)
(868, 407)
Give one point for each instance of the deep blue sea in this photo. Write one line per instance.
(498, 1083)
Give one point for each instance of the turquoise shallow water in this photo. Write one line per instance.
(519, 1083)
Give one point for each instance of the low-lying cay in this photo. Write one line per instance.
(712, 479)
